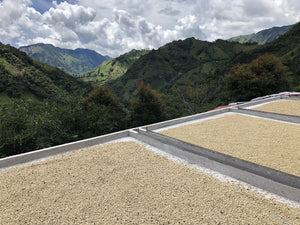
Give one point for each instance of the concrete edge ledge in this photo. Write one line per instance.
(52, 151)
(11, 161)
(291, 98)
(257, 102)
(274, 181)
(213, 113)
(268, 115)
(167, 123)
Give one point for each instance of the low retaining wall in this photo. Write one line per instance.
(274, 181)
(268, 115)
(185, 119)
(52, 151)
(292, 98)
(262, 101)
(218, 112)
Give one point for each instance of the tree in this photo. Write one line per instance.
(26, 125)
(148, 107)
(264, 75)
(103, 97)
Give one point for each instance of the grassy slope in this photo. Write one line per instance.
(75, 62)
(22, 76)
(113, 68)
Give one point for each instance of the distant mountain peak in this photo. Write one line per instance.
(263, 36)
(113, 68)
(75, 62)
(21, 75)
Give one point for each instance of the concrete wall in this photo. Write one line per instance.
(185, 119)
(293, 98)
(218, 112)
(252, 103)
(268, 115)
(48, 152)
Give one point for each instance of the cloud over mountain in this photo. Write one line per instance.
(116, 26)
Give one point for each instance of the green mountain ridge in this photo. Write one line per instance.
(191, 73)
(171, 63)
(113, 68)
(286, 47)
(21, 75)
(75, 62)
(43, 106)
(262, 37)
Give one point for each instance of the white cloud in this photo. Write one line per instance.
(69, 15)
(169, 11)
(18, 20)
(226, 19)
(13, 10)
(120, 25)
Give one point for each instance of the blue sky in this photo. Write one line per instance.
(116, 26)
(43, 5)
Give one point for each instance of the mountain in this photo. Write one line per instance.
(75, 62)
(262, 37)
(113, 68)
(21, 75)
(190, 74)
(286, 47)
(180, 70)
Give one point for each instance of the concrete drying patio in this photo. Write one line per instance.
(264, 142)
(124, 183)
(287, 107)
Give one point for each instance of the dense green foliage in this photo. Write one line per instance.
(286, 47)
(113, 68)
(75, 62)
(102, 96)
(41, 106)
(262, 76)
(148, 107)
(26, 125)
(20, 74)
(262, 37)
(191, 73)
(185, 72)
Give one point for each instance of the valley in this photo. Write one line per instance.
(42, 106)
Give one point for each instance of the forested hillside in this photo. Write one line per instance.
(191, 73)
(21, 75)
(113, 68)
(186, 72)
(42, 106)
(286, 47)
(75, 62)
(262, 37)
